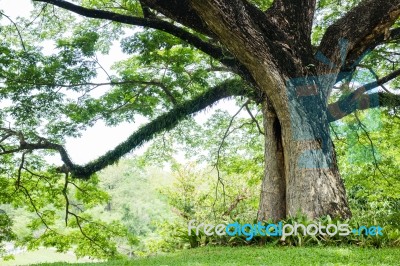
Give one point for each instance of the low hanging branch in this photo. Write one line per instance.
(164, 122)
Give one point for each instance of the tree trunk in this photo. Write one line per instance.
(273, 187)
(301, 173)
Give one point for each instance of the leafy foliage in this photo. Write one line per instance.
(6, 233)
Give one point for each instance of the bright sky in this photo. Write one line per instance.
(100, 138)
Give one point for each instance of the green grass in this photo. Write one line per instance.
(267, 256)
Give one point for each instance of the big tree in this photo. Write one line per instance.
(286, 56)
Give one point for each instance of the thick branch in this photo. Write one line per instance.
(358, 53)
(349, 38)
(358, 100)
(295, 16)
(162, 123)
(138, 21)
(179, 11)
(257, 42)
(42, 144)
(369, 101)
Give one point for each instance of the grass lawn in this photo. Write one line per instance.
(268, 256)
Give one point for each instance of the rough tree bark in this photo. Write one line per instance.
(273, 186)
(272, 50)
